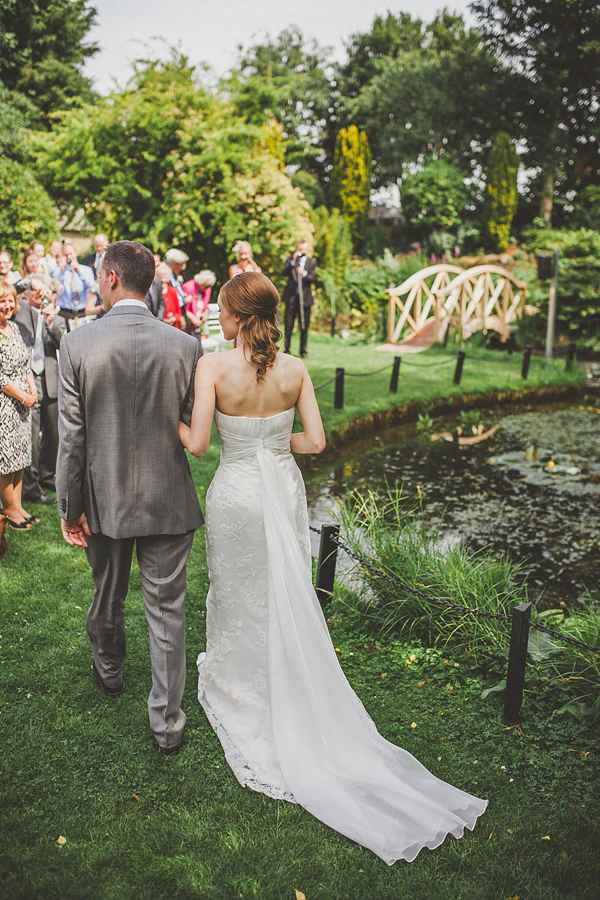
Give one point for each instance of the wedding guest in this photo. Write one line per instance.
(7, 273)
(17, 396)
(30, 263)
(42, 330)
(299, 268)
(177, 260)
(172, 314)
(54, 251)
(94, 259)
(75, 281)
(198, 290)
(244, 261)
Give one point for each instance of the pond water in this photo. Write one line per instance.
(531, 489)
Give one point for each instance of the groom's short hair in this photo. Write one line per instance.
(133, 263)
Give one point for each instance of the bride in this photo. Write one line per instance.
(270, 682)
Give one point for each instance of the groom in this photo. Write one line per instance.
(123, 477)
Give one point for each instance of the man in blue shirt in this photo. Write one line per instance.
(76, 280)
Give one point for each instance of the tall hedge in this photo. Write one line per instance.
(350, 185)
(578, 299)
(26, 211)
(501, 196)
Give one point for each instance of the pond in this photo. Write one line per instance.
(532, 489)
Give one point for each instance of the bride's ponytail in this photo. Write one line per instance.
(255, 299)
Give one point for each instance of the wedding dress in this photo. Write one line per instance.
(270, 682)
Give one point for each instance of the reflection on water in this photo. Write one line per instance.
(543, 511)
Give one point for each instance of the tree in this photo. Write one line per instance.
(350, 186)
(424, 92)
(42, 50)
(26, 210)
(434, 198)
(165, 162)
(501, 196)
(552, 46)
(333, 250)
(290, 80)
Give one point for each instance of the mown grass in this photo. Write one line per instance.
(139, 825)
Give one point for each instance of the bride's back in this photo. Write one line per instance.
(239, 393)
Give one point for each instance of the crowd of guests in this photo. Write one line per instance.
(52, 291)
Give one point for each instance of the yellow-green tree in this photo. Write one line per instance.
(501, 196)
(350, 184)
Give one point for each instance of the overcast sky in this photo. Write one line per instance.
(210, 31)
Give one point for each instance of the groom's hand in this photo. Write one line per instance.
(74, 531)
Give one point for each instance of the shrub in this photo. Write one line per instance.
(26, 210)
(578, 308)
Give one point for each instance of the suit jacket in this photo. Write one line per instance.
(26, 318)
(90, 260)
(308, 280)
(125, 383)
(155, 300)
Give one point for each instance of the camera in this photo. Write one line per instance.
(44, 302)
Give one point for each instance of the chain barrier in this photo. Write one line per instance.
(423, 595)
(366, 374)
(325, 383)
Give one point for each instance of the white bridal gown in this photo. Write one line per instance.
(270, 682)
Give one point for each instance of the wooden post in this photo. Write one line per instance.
(570, 357)
(526, 361)
(395, 373)
(326, 565)
(517, 657)
(552, 307)
(338, 401)
(459, 366)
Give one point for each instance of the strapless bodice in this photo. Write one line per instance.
(242, 437)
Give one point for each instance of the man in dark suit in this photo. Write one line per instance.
(93, 260)
(123, 477)
(42, 330)
(299, 268)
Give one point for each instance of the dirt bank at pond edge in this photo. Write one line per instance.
(409, 411)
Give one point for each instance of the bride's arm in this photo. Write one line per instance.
(312, 439)
(196, 437)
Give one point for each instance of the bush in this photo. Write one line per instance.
(26, 210)
(578, 308)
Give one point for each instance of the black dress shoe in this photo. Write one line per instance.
(109, 691)
(170, 751)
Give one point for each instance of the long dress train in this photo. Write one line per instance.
(270, 682)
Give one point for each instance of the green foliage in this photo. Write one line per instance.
(332, 250)
(42, 50)
(288, 79)
(350, 185)
(501, 196)
(26, 210)
(578, 312)
(552, 48)
(423, 91)
(434, 198)
(17, 114)
(165, 162)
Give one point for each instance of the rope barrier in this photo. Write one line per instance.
(366, 374)
(325, 383)
(423, 595)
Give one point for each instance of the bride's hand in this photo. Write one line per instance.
(184, 432)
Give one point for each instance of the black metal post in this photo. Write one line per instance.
(395, 373)
(570, 357)
(526, 361)
(517, 657)
(459, 366)
(326, 565)
(338, 401)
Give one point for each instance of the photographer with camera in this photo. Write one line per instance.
(244, 259)
(41, 329)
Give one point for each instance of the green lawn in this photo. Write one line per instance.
(80, 767)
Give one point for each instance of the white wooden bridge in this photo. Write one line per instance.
(442, 297)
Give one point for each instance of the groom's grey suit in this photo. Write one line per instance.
(125, 383)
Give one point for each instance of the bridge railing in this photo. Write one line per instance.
(484, 298)
(415, 299)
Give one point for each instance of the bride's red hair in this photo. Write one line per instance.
(255, 299)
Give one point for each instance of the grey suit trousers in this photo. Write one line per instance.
(162, 560)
